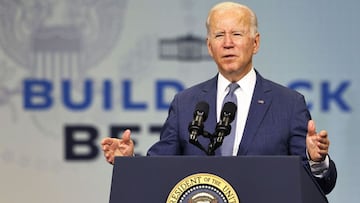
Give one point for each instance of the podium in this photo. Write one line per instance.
(246, 179)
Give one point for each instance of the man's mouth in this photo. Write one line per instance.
(229, 56)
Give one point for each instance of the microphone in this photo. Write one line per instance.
(196, 126)
(223, 127)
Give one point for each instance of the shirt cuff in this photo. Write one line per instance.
(319, 169)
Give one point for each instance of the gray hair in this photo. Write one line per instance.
(228, 5)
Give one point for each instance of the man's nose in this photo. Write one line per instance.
(228, 41)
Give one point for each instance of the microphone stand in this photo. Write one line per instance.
(215, 141)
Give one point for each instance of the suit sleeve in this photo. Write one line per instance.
(169, 143)
(299, 128)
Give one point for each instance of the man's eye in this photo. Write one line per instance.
(218, 35)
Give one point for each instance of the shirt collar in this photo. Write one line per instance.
(247, 83)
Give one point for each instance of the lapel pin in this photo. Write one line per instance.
(261, 101)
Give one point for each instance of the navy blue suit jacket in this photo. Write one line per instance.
(276, 124)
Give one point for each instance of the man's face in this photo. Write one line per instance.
(231, 43)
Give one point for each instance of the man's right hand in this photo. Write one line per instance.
(117, 147)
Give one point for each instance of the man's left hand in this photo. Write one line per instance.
(317, 144)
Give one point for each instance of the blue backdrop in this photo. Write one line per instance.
(75, 71)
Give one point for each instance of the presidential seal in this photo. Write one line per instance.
(203, 188)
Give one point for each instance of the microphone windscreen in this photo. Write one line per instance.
(229, 109)
(202, 107)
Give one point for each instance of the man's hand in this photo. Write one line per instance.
(317, 144)
(117, 147)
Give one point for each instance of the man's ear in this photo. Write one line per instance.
(209, 46)
(256, 43)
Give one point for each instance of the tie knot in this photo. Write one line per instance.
(233, 87)
(230, 96)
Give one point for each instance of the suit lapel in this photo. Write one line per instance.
(259, 105)
(208, 95)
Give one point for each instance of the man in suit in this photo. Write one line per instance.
(270, 119)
